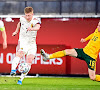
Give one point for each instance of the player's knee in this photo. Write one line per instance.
(17, 54)
(68, 51)
(29, 61)
(29, 58)
(20, 54)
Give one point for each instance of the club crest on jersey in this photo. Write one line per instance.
(32, 25)
(21, 48)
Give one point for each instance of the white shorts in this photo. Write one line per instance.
(30, 48)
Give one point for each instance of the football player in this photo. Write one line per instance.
(89, 53)
(28, 25)
(2, 29)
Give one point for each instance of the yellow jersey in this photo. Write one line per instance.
(93, 47)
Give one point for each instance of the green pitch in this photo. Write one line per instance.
(48, 83)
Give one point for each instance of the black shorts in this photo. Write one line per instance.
(89, 60)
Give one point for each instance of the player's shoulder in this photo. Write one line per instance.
(22, 18)
(37, 19)
(1, 23)
(96, 30)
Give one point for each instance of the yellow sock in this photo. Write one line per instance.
(58, 54)
(97, 78)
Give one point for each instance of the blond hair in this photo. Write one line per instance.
(28, 10)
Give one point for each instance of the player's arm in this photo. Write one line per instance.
(4, 36)
(35, 28)
(87, 38)
(17, 29)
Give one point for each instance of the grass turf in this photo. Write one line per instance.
(48, 83)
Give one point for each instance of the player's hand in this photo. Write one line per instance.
(29, 29)
(14, 33)
(4, 45)
(82, 40)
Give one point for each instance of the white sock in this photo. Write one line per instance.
(24, 74)
(15, 63)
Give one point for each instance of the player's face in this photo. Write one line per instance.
(29, 16)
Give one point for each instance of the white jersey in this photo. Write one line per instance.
(28, 36)
(27, 39)
(2, 28)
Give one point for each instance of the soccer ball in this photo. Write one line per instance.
(23, 68)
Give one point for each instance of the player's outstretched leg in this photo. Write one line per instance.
(58, 54)
(45, 55)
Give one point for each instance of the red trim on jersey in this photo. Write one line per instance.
(34, 18)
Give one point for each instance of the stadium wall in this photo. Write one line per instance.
(55, 34)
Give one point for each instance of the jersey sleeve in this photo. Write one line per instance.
(89, 37)
(21, 19)
(38, 20)
(2, 28)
